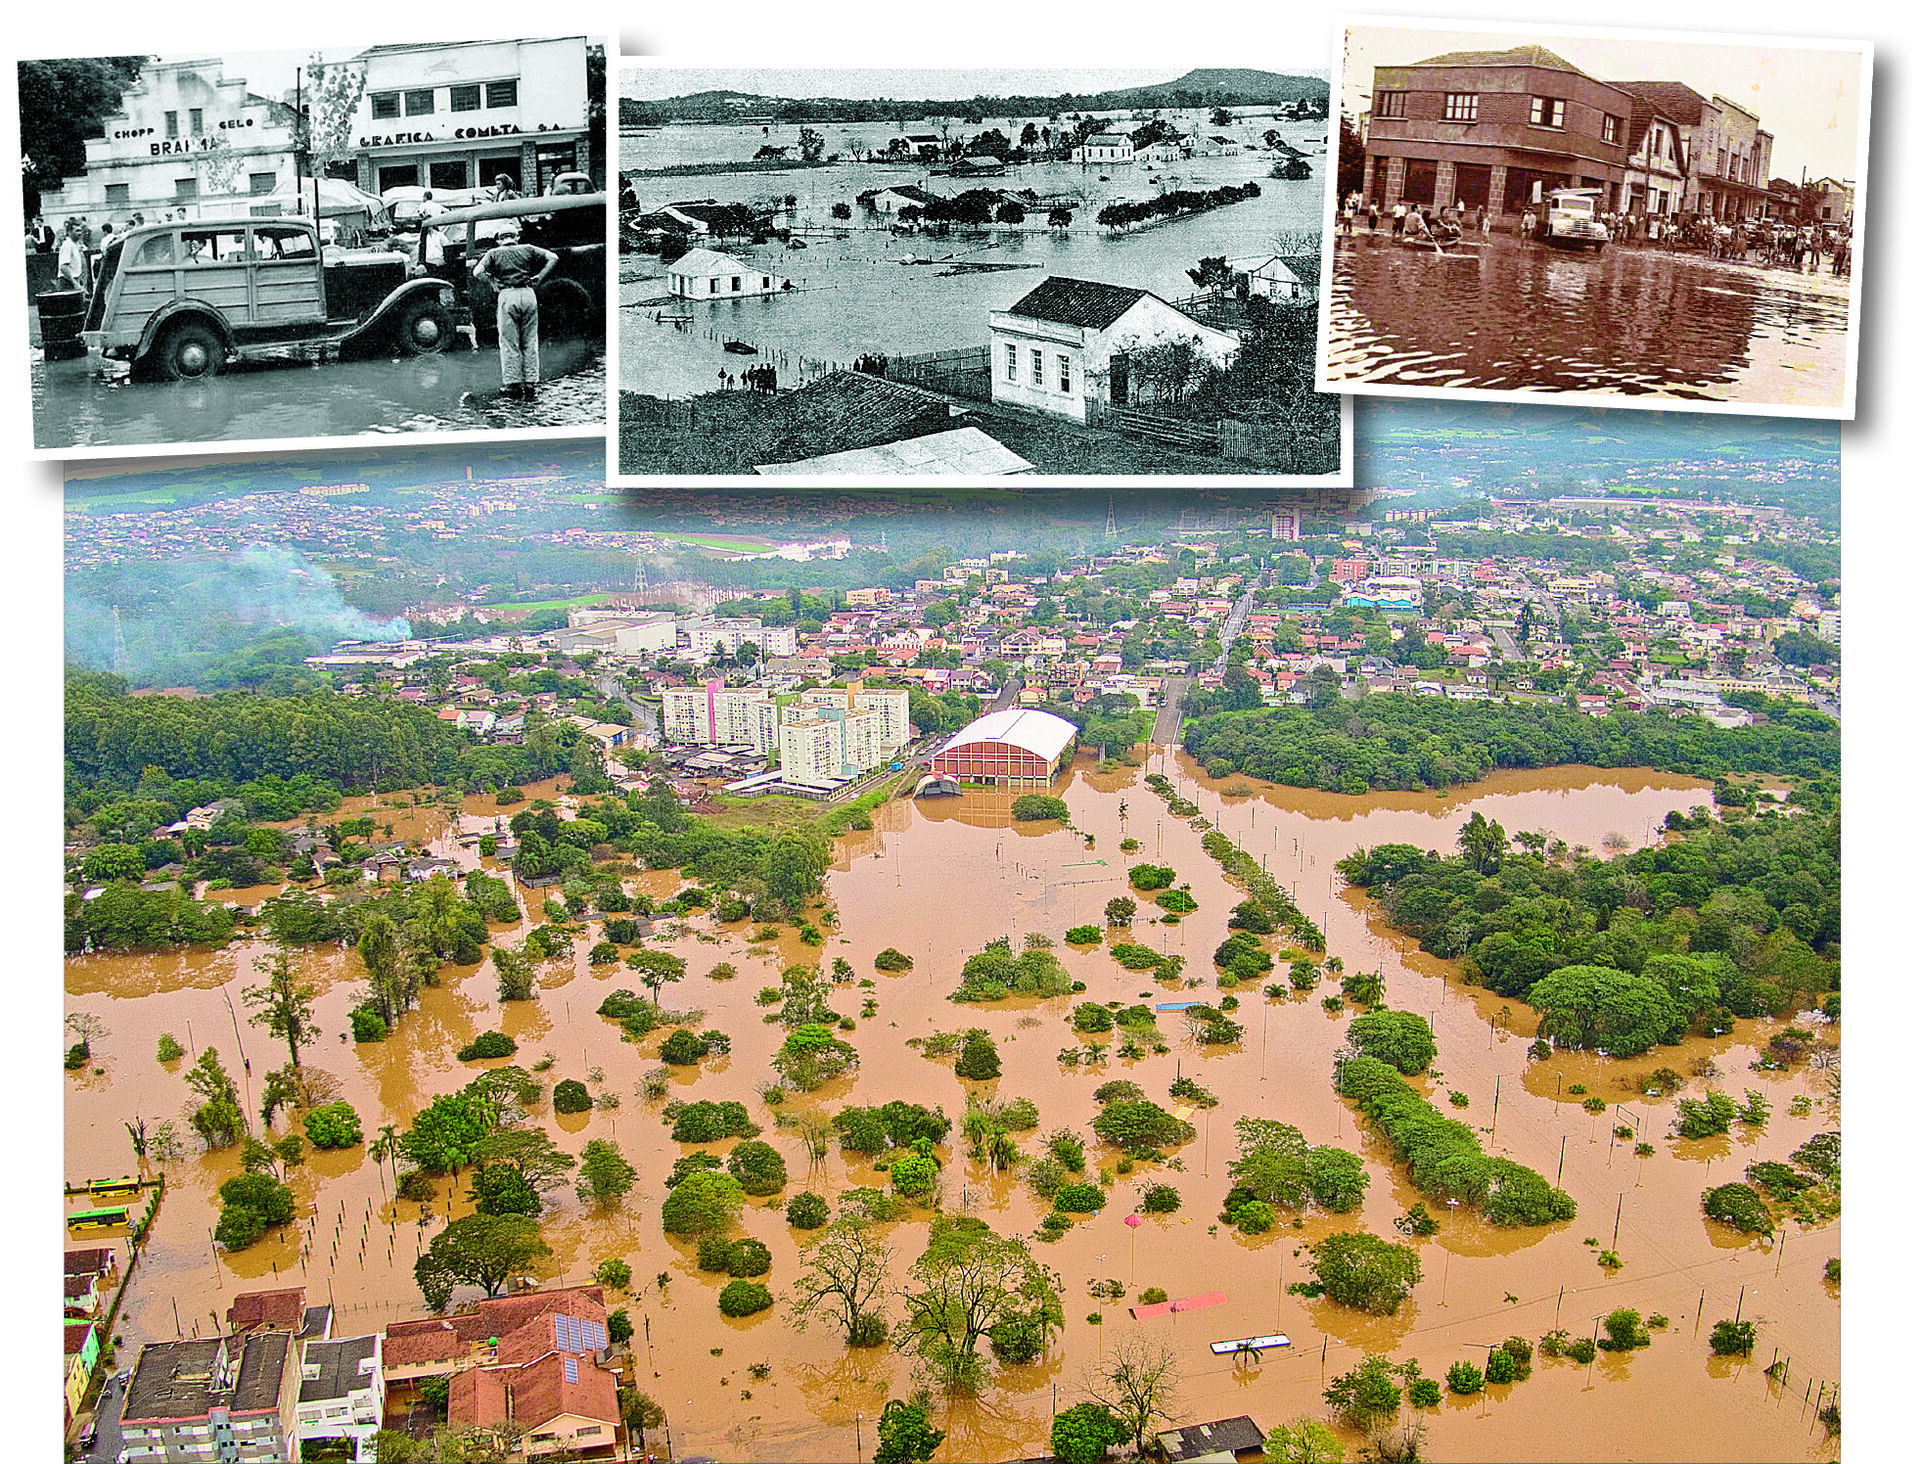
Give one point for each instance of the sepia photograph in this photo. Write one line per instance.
(290, 248)
(976, 273)
(1628, 218)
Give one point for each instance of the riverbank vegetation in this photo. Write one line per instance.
(1396, 741)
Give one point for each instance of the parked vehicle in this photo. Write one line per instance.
(574, 226)
(181, 300)
(1570, 221)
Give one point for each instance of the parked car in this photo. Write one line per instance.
(181, 300)
(574, 226)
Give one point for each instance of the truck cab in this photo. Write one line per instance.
(572, 225)
(181, 300)
(1571, 221)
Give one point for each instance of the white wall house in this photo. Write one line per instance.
(1278, 276)
(1069, 341)
(707, 274)
(186, 133)
(1105, 147)
(460, 115)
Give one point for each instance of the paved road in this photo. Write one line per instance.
(106, 1414)
(1008, 694)
(1503, 638)
(1166, 725)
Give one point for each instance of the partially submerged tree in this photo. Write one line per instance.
(477, 1250)
(968, 1284)
(845, 1272)
(284, 1003)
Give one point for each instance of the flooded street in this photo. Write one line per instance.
(896, 886)
(854, 291)
(1629, 321)
(84, 403)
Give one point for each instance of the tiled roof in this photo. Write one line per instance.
(1223, 1435)
(842, 411)
(1514, 56)
(531, 1395)
(94, 1261)
(283, 1310)
(1674, 99)
(1069, 301)
(437, 1339)
(77, 1333)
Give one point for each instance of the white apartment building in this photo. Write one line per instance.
(890, 704)
(728, 633)
(630, 634)
(716, 715)
(342, 1393)
(824, 746)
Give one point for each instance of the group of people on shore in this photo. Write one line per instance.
(1769, 242)
(753, 378)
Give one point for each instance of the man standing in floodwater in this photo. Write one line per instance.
(515, 270)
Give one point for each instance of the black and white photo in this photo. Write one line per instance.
(977, 273)
(201, 227)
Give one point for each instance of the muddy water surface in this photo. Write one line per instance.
(938, 880)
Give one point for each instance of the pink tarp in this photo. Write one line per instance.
(1185, 1303)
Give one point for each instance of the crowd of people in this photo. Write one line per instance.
(1773, 243)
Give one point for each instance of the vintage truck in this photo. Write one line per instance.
(573, 300)
(182, 300)
(1572, 222)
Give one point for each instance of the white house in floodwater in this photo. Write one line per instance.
(707, 274)
(1068, 341)
(1280, 276)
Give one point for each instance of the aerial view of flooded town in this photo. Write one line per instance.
(755, 976)
(1626, 218)
(1117, 276)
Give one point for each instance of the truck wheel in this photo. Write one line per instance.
(190, 351)
(566, 313)
(424, 327)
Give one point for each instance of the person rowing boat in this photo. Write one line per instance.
(1421, 231)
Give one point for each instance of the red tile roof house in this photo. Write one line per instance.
(267, 1311)
(556, 1401)
(439, 1346)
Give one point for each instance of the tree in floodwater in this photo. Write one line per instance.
(284, 1003)
(477, 1250)
(605, 1175)
(968, 1284)
(657, 969)
(906, 1436)
(1137, 1382)
(218, 1119)
(846, 1269)
(392, 981)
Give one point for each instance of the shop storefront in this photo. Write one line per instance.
(454, 117)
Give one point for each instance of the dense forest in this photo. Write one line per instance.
(1398, 741)
(285, 755)
(1735, 918)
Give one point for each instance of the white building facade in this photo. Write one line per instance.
(1105, 147)
(888, 703)
(186, 135)
(460, 115)
(342, 1393)
(715, 715)
(1069, 341)
(707, 274)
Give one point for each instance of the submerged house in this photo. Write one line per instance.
(707, 274)
(1067, 342)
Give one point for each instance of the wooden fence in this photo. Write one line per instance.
(963, 373)
(1176, 432)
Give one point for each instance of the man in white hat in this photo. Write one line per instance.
(515, 270)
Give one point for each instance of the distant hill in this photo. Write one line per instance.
(1216, 84)
(1204, 86)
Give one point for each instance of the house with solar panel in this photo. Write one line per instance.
(542, 1389)
(1067, 342)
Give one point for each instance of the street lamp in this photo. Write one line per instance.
(856, 1438)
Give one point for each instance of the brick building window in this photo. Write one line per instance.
(1462, 106)
(1548, 112)
(1609, 129)
(1390, 104)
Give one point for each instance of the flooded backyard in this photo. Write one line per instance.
(896, 885)
(83, 404)
(854, 289)
(1628, 321)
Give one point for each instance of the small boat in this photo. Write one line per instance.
(740, 348)
(1451, 249)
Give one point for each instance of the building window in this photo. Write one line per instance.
(118, 195)
(1720, 163)
(1390, 104)
(185, 190)
(196, 121)
(736, 284)
(1066, 373)
(503, 93)
(1609, 128)
(451, 173)
(385, 104)
(420, 103)
(1013, 362)
(1548, 112)
(463, 98)
(259, 184)
(1039, 369)
(173, 124)
(1462, 106)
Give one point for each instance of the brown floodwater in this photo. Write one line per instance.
(938, 880)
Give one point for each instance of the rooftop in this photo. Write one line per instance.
(279, 1311)
(708, 262)
(335, 1367)
(1069, 301)
(1040, 733)
(1223, 1435)
(1538, 56)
